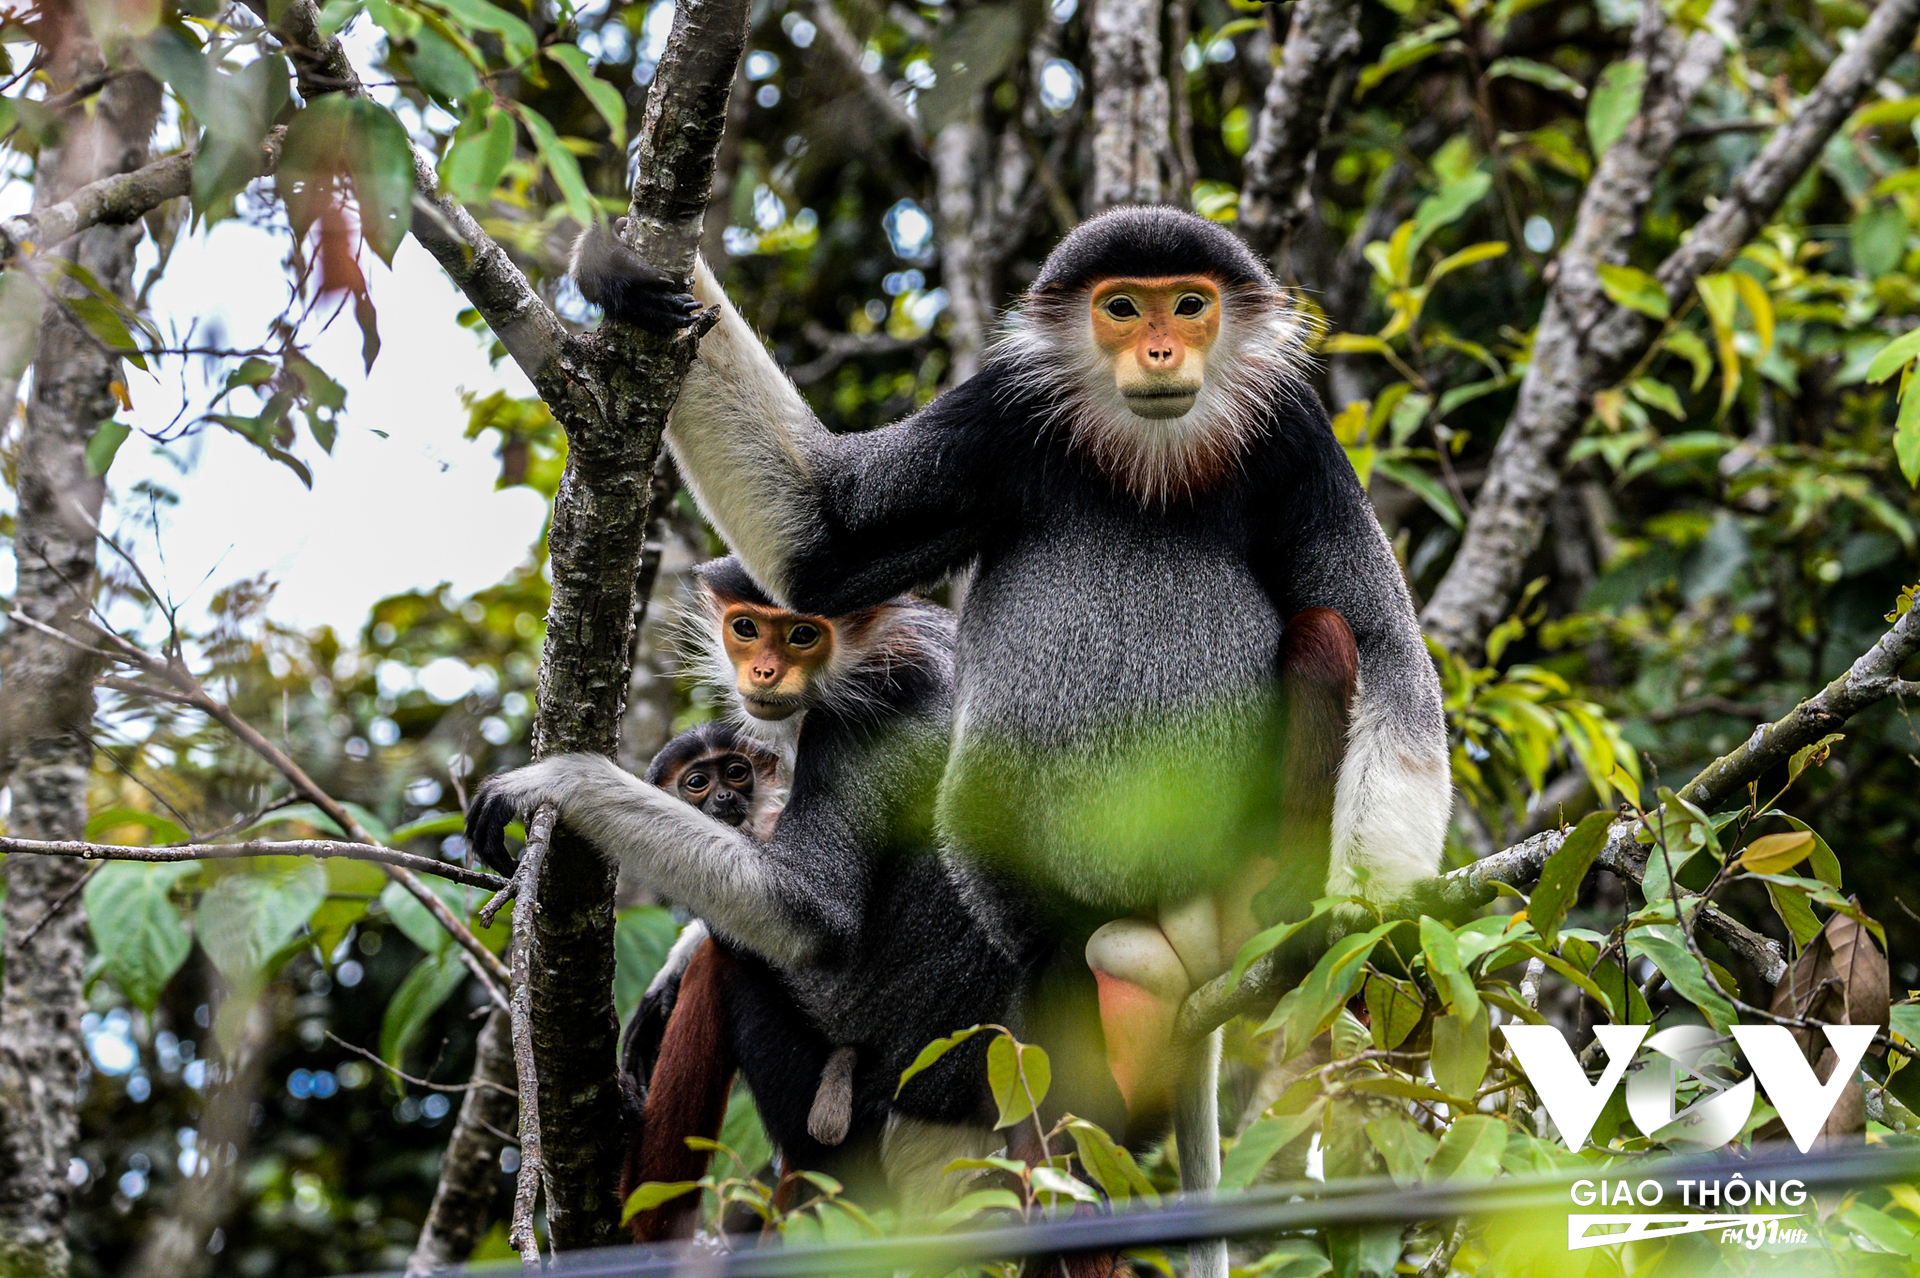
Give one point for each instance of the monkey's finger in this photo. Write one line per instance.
(487, 818)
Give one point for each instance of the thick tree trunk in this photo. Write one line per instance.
(597, 538)
(470, 1169)
(959, 165)
(1130, 137)
(48, 704)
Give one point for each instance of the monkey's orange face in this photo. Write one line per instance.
(776, 654)
(1157, 332)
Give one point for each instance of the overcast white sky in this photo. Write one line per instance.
(385, 515)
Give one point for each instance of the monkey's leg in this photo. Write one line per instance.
(687, 1096)
(1142, 982)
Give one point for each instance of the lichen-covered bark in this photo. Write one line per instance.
(613, 410)
(1130, 138)
(1321, 46)
(959, 172)
(470, 1169)
(48, 701)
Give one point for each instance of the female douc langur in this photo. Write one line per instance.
(1145, 490)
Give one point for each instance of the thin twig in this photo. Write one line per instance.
(319, 849)
(405, 1077)
(527, 1187)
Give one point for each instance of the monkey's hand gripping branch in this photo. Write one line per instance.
(722, 875)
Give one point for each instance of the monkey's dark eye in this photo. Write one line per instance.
(743, 628)
(1190, 305)
(1122, 308)
(738, 772)
(803, 635)
(697, 781)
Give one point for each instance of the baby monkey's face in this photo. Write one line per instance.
(720, 785)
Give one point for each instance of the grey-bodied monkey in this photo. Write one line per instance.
(1145, 488)
(844, 926)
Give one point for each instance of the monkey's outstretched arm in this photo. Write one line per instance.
(825, 523)
(628, 288)
(783, 908)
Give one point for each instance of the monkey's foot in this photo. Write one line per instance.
(1142, 984)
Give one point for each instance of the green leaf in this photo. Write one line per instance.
(1878, 238)
(1019, 1074)
(1687, 344)
(1662, 943)
(1460, 1052)
(478, 156)
(1794, 911)
(437, 826)
(1883, 1231)
(1408, 50)
(1655, 393)
(934, 1051)
(1445, 968)
(104, 444)
(1615, 101)
(1718, 294)
(1894, 356)
(1429, 489)
(247, 918)
(1634, 289)
(1537, 73)
(1472, 255)
(1906, 436)
(442, 67)
(136, 928)
(478, 15)
(1825, 865)
(653, 1193)
(431, 982)
(1564, 872)
(973, 1204)
(113, 820)
(1403, 1146)
(1777, 853)
(605, 97)
(1264, 1138)
(1110, 1165)
(1446, 206)
(1470, 1151)
(1308, 1009)
(561, 164)
(416, 921)
(380, 157)
(1394, 1010)
(642, 935)
(1905, 1021)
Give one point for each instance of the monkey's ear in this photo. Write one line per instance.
(628, 288)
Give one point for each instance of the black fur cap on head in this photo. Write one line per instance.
(728, 577)
(1148, 240)
(712, 737)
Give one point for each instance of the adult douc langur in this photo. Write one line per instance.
(1145, 490)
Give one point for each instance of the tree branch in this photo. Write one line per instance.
(533, 1172)
(1322, 41)
(1871, 679)
(319, 849)
(1585, 343)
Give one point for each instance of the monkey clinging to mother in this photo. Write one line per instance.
(1168, 563)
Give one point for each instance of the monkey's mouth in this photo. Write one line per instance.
(1160, 404)
(772, 709)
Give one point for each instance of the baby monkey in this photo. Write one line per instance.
(725, 774)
